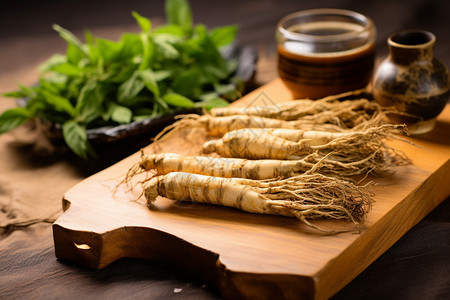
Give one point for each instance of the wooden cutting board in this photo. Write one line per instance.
(247, 255)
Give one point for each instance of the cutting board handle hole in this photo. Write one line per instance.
(82, 246)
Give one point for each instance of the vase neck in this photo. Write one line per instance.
(411, 46)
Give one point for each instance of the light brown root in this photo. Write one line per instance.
(356, 153)
(344, 114)
(318, 196)
(330, 164)
(305, 197)
(185, 121)
(290, 110)
(136, 169)
(371, 135)
(302, 218)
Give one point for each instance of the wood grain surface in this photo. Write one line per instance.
(31, 185)
(247, 255)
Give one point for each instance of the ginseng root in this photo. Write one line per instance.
(323, 139)
(293, 110)
(307, 196)
(261, 146)
(218, 126)
(164, 163)
(365, 151)
(346, 114)
(338, 119)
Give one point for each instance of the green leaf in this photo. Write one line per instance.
(120, 72)
(172, 29)
(178, 12)
(130, 46)
(168, 38)
(92, 49)
(130, 88)
(161, 75)
(59, 103)
(167, 50)
(232, 65)
(46, 85)
(200, 31)
(148, 78)
(121, 114)
(142, 113)
(89, 102)
(142, 117)
(37, 105)
(55, 59)
(225, 35)
(228, 91)
(187, 82)
(143, 22)
(89, 38)
(106, 113)
(66, 69)
(148, 52)
(108, 50)
(223, 89)
(160, 106)
(73, 87)
(28, 91)
(178, 100)
(74, 56)
(13, 118)
(15, 94)
(75, 137)
(71, 39)
(216, 72)
(59, 80)
(23, 92)
(212, 103)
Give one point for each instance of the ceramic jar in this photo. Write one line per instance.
(412, 80)
(324, 52)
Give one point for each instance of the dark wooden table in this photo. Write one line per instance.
(32, 184)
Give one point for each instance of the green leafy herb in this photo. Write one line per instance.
(71, 39)
(179, 13)
(106, 83)
(12, 118)
(145, 23)
(121, 114)
(178, 100)
(76, 138)
(223, 36)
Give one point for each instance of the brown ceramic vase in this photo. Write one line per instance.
(412, 80)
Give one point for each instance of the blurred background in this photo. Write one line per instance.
(26, 36)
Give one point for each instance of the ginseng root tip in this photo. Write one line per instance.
(151, 192)
(209, 147)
